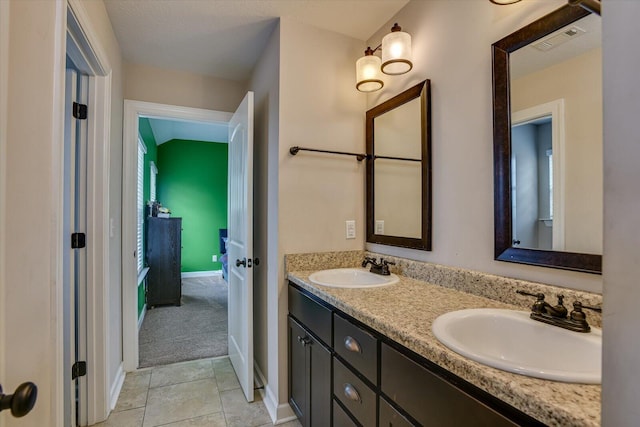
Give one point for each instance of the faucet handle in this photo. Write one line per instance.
(539, 295)
(385, 262)
(539, 305)
(577, 315)
(598, 309)
(368, 260)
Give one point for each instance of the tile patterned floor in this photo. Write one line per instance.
(202, 393)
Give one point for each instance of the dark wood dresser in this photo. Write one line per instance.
(163, 257)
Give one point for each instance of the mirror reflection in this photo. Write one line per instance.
(397, 135)
(556, 140)
(398, 170)
(547, 97)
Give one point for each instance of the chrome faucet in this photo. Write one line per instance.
(381, 268)
(556, 315)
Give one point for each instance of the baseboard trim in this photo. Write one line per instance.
(116, 387)
(201, 273)
(279, 413)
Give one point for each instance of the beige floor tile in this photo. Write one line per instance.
(180, 402)
(213, 420)
(130, 418)
(221, 362)
(181, 373)
(134, 391)
(225, 375)
(240, 413)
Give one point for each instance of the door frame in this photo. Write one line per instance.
(133, 111)
(4, 85)
(86, 42)
(555, 109)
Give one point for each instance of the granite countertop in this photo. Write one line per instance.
(405, 311)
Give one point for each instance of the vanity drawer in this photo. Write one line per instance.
(356, 346)
(390, 417)
(313, 315)
(354, 394)
(340, 417)
(429, 399)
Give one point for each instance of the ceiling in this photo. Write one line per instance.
(166, 130)
(224, 38)
(530, 59)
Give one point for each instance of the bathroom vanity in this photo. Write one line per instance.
(368, 357)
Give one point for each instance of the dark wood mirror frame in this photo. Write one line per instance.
(504, 251)
(422, 91)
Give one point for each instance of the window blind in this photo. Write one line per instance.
(140, 231)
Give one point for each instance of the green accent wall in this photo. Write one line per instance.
(192, 183)
(141, 298)
(144, 129)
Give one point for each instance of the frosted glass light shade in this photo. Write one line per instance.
(396, 53)
(368, 77)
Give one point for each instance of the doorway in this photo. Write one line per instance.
(134, 110)
(182, 179)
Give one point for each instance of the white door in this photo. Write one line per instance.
(240, 244)
(74, 260)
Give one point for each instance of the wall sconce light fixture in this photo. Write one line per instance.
(396, 60)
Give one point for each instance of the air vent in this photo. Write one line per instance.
(559, 38)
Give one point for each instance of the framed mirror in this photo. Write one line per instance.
(547, 130)
(398, 133)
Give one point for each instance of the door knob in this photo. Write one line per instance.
(21, 402)
(241, 263)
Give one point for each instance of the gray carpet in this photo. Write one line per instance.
(195, 330)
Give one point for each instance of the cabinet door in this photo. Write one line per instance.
(298, 391)
(429, 399)
(309, 377)
(389, 417)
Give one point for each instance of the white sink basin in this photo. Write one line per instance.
(511, 341)
(351, 278)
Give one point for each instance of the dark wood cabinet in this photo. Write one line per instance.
(309, 377)
(373, 380)
(164, 240)
(429, 399)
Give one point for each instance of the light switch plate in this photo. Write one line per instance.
(214, 258)
(380, 226)
(351, 229)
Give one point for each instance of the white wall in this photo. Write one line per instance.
(265, 84)
(621, 269)
(452, 47)
(319, 108)
(162, 86)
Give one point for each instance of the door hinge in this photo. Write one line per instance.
(78, 240)
(79, 111)
(79, 369)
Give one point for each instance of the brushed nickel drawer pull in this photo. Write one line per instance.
(351, 393)
(352, 344)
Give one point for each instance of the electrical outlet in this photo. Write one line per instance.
(214, 258)
(351, 229)
(379, 226)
